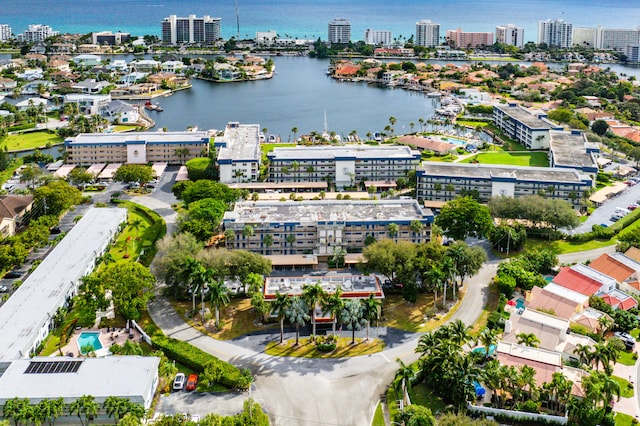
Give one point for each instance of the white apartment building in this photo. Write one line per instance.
(339, 31)
(617, 39)
(239, 153)
(377, 37)
(427, 33)
(37, 33)
(585, 37)
(192, 29)
(555, 32)
(633, 53)
(266, 37)
(510, 34)
(5, 32)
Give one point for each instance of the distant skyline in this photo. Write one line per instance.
(309, 19)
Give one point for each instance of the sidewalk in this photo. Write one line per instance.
(628, 406)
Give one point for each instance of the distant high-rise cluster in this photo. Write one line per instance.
(339, 31)
(468, 40)
(556, 33)
(37, 33)
(427, 33)
(192, 29)
(510, 34)
(5, 32)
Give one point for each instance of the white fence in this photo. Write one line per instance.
(519, 415)
(145, 336)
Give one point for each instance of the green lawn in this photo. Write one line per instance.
(306, 349)
(422, 395)
(30, 140)
(378, 417)
(626, 358)
(268, 147)
(625, 390)
(562, 247)
(537, 159)
(623, 419)
(8, 172)
(472, 124)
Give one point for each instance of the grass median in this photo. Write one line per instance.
(307, 348)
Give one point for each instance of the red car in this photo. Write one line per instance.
(192, 382)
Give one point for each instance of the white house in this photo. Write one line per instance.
(118, 111)
(172, 66)
(88, 104)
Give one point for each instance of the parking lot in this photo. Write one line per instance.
(602, 215)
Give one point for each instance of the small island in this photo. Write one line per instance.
(226, 69)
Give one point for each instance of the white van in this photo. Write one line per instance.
(8, 187)
(622, 211)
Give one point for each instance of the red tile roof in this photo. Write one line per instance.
(625, 304)
(547, 301)
(427, 144)
(612, 267)
(575, 281)
(633, 253)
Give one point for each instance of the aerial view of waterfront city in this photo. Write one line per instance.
(336, 213)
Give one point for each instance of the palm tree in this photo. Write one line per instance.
(334, 304)
(195, 274)
(338, 255)
(353, 317)
(371, 308)
(313, 295)
(528, 339)
(600, 388)
(136, 224)
(393, 229)
(606, 323)
(559, 391)
(267, 241)
(600, 355)
(279, 307)
(294, 130)
(219, 296)
(487, 337)
(84, 406)
(51, 409)
(247, 231)
(290, 240)
(12, 408)
(116, 407)
(298, 314)
(404, 376)
(416, 226)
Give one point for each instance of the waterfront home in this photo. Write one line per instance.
(87, 104)
(173, 67)
(146, 65)
(142, 90)
(118, 111)
(7, 84)
(32, 102)
(89, 86)
(31, 74)
(117, 65)
(87, 60)
(168, 79)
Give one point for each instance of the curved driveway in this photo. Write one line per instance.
(302, 391)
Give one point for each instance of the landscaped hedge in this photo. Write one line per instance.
(601, 232)
(196, 359)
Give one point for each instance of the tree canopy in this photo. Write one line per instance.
(134, 173)
(464, 217)
(203, 218)
(58, 195)
(209, 189)
(539, 211)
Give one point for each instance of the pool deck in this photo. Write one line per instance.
(107, 338)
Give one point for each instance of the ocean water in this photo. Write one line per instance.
(309, 18)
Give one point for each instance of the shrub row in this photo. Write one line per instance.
(190, 356)
(601, 232)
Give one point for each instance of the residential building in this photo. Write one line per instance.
(510, 34)
(266, 37)
(528, 128)
(427, 33)
(192, 29)
(345, 165)
(441, 182)
(617, 39)
(107, 37)
(585, 37)
(584, 280)
(172, 66)
(563, 303)
(28, 315)
(555, 32)
(5, 32)
(320, 226)
(136, 148)
(377, 37)
(239, 153)
(633, 53)
(459, 39)
(131, 377)
(90, 87)
(12, 211)
(572, 150)
(87, 104)
(88, 60)
(37, 33)
(339, 31)
(120, 112)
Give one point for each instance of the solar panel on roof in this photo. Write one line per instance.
(53, 367)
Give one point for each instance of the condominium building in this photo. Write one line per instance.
(239, 153)
(555, 32)
(112, 39)
(339, 31)
(427, 33)
(345, 165)
(377, 37)
(136, 148)
(633, 53)
(529, 129)
(192, 29)
(585, 37)
(571, 150)
(468, 40)
(617, 39)
(438, 181)
(37, 33)
(5, 32)
(317, 227)
(510, 34)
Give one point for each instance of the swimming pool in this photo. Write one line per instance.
(520, 304)
(89, 338)
(483, 350)
(454, 140)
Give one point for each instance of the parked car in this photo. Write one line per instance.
(14, 274)
(604, 225)
(3, 289)
(629, 182)
(632, 207)
(178, 382)
(615, 217)
(623, 336)
(192, 382)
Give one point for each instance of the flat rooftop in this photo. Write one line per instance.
(323, 152)
(525, 117)
(354, 286)
(140, 137)
(488, 171)
(570, 149)
(41, 378)
(318, 211)
(45, 290)
(242, 142)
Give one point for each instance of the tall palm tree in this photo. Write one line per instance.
(353, 317)
(404, 376)
(487, 337)
(12, 408)
(371, 308)
(294, 130)
(196, 275)
(393, 229)
(51, 409)
(219, 296)
(279, 307)
(416, 227)
(528, 339)
(84, 406)
(313, 295)
(338, 255)
(333, 304)
(584, 353)
(600, 355)
(606, 323)
(298, 314)
(559, 391)
(116, 407)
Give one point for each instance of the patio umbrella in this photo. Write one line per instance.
(511, 302)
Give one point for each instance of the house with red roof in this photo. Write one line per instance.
(584, 280)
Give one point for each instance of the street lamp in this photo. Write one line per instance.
(204, 290)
